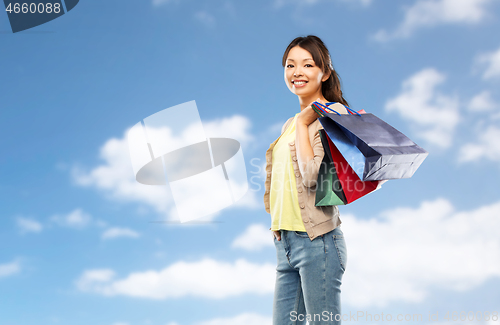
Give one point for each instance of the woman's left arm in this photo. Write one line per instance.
(309, 158)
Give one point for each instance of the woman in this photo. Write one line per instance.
(310, 245)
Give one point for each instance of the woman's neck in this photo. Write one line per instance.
(305, 101)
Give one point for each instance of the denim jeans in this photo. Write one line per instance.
(308, 278)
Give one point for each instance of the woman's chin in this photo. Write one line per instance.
(301, 93)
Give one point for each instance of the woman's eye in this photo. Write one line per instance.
(291, 65)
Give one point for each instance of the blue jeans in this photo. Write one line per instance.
(308, 278)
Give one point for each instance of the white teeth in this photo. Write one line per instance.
(299, 82)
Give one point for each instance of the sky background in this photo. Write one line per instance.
(83, 243)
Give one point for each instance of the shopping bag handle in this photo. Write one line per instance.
(349, 110)
(319, 108)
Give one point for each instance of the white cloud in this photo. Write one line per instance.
(93, 278)
(277, 4)
(28, 225)
(157, 3)
(491, 63)
(280, 3)
(254, 238)
(115, 176)
(75, 219)
(364, 3)
(436, 115)
(430, 13)
(206, 18)
(116, 232)
(241, 319)
(486, 146)
(9, 269)
(230, 9)
(218, 280)
(235, 127)
(398, 256)
(405, 252)
(482, 102)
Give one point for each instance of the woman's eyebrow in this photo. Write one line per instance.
(302, 60)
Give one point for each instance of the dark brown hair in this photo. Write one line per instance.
(331, 88)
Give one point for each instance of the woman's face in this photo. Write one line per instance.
(302, 76)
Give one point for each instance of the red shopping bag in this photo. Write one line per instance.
(352, 186)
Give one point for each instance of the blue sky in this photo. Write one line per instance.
(82, 243)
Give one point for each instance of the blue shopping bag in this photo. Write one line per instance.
(374, 149)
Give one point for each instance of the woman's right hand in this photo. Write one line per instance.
(277, 234)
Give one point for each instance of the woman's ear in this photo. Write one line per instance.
(326, 76)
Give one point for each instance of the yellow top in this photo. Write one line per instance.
(283, 197)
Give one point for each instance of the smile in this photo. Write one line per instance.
(299, 84)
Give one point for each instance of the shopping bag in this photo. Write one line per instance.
(374, 149)
(352, 186)
(346, 185)
(328, 188)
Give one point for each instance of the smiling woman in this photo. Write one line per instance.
(310, 246)
(307, 63)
